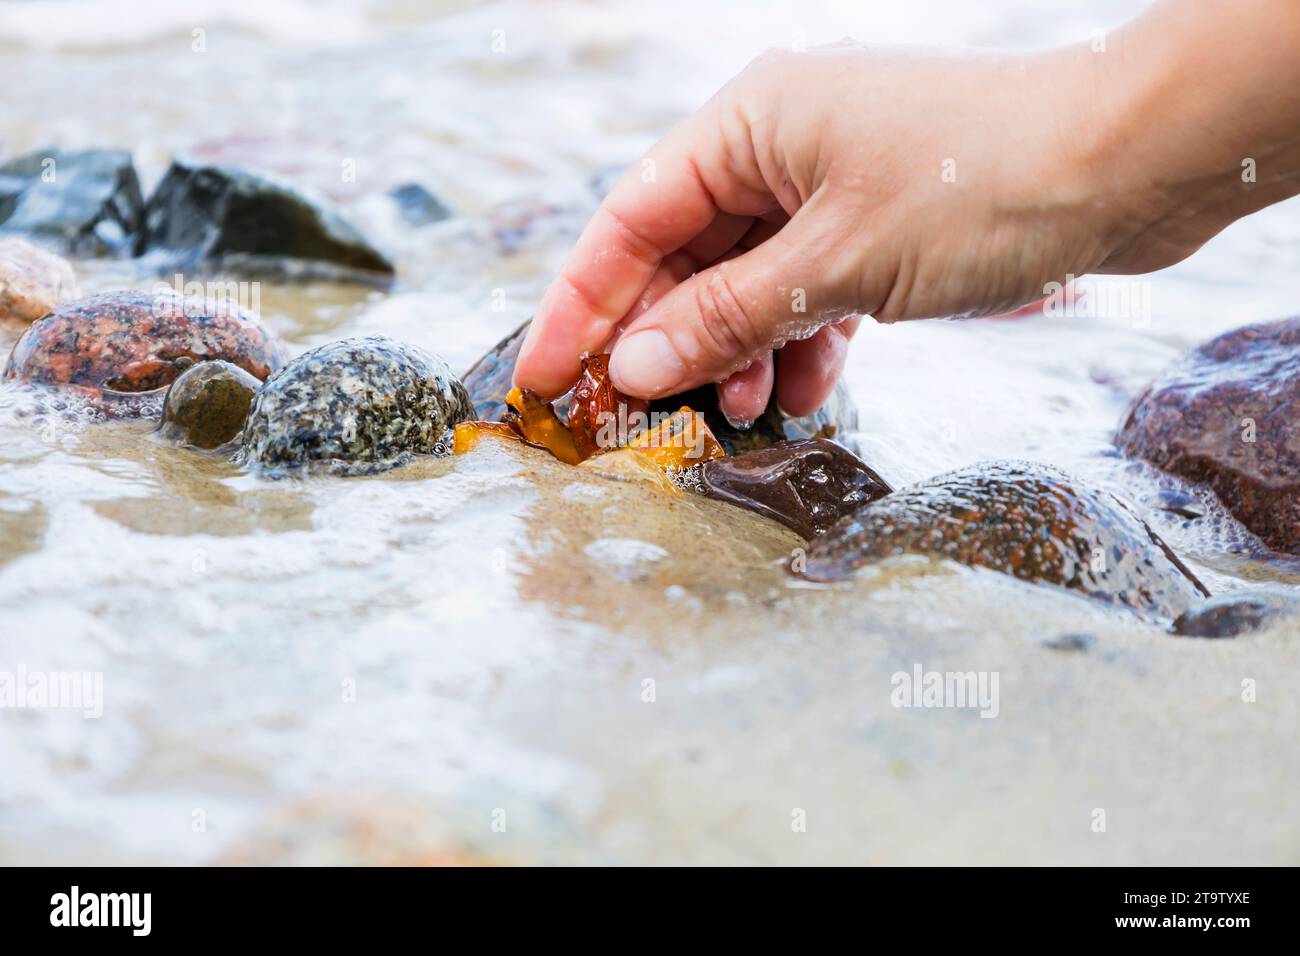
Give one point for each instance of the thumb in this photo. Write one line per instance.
(720, 320)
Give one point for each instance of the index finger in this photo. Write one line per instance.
(705, 166)
(656, 207)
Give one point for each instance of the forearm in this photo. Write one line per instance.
(1199, 104)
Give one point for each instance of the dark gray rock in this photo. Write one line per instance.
(418, 206)
(237, 219)
(1076, 642)
(85, 202)
(1231, 614)
(358, 406)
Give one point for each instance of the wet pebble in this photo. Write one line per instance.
(32, 281)
(1231, 614)
(207, 406)
(126, 344)
(1027, 520)
(1224, 416)
(357, 406)
(807, 485)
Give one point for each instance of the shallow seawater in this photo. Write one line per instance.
(500, 658)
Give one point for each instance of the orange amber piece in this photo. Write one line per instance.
(680, 442)
(594, 407)
(537, 422)
(467, 434)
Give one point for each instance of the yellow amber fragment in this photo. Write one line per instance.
(537, 422)
(467, 434)
(680, 442)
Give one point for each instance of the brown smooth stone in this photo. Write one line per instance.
(807, 484)
(140, 341)
(1027, 520)
(1225, 416)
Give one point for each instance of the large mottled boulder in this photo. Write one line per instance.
(489, 380)
(1027, 520)
(86, 202)
(233, 218)
(1225, 415)
(32, 281)
(131, 343)
(358, 406)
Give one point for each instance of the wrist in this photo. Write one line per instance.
(1194, 123)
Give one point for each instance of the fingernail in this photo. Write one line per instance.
(738, 422)
(645, 364)
(730, 393)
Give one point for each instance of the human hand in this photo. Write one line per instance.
(817, 187)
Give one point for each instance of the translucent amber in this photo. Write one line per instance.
(468, 434)
(595, 407)
(537, 422)
(680, 442)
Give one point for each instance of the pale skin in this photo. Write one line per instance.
(820, 187)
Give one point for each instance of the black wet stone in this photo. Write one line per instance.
(236, 218)
(357, 406)
(208, 404)
(837, 420)
(85, 202)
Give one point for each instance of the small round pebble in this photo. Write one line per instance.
(32, 281)
(207, 406)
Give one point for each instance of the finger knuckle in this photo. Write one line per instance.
(631, 240)
(728, 327)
